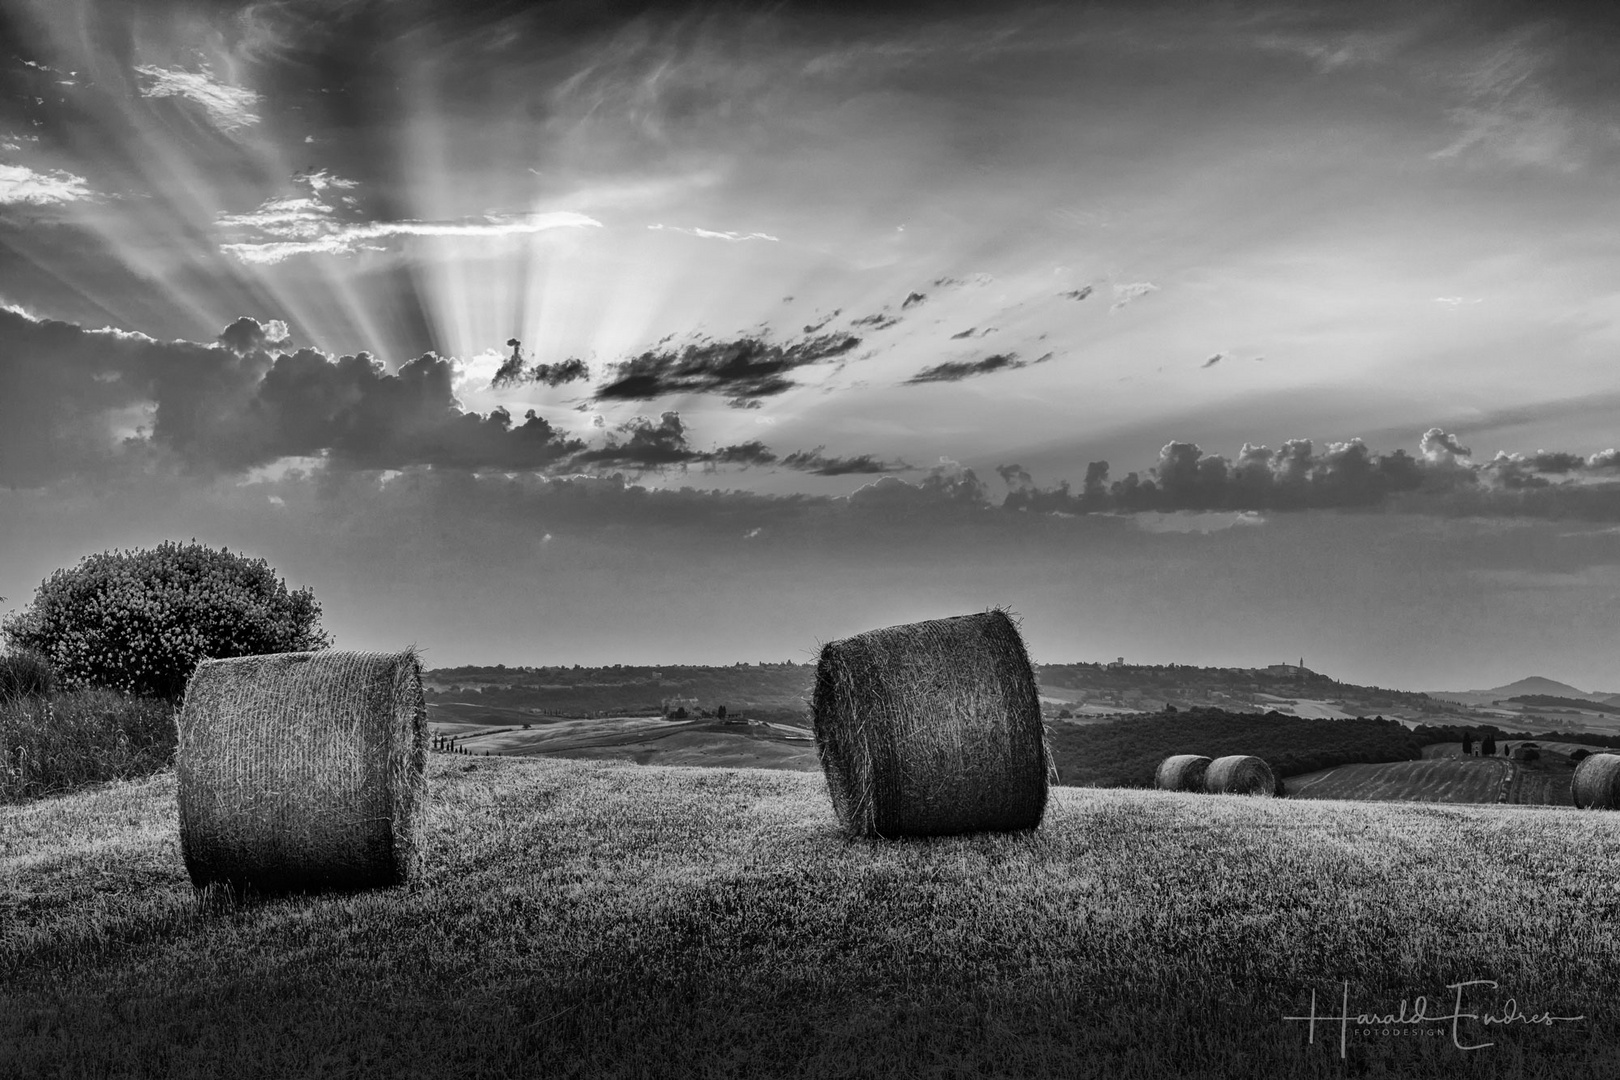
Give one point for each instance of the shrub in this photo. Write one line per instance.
(52, 746)
(24, 674)
(139, 621)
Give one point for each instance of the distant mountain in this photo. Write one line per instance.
(1535, 684)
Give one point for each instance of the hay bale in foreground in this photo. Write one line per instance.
(302, 771)
(1596, 784)
(1181, 772)
(932, 728)
(1239, 774)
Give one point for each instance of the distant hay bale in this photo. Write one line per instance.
(302, 771)
(1239, 774)
(1181, 772)
(932, 728)
(1596, 784)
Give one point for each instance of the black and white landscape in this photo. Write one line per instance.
(1258, 356)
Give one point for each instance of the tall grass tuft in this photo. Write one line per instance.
(51, 746)
(24, 674)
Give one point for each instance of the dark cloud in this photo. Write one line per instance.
(913, 299)
(746, 368)
(1212, 361)
(75, 401)
(247, 335)
(1544, 461)
(878, 321)
(948, 485)
(817, 327)
(353, 409)
(744, 454)
(91, 403)
(814, 461)
(1015, 475)
(69, 397)
(641, 445)
(1343, 476)
(1077, 294)
(957, 370)
(513, 372)
(973, 331)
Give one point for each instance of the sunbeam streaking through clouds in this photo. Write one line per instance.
(816, 275)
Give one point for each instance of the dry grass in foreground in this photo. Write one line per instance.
(596, 919)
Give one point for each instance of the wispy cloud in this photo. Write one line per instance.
(746, 368)
(815, 461)
(1507, 111)
(1124, 294)
(282, 228)
(22, 185)
(230, 108)
(710, 234)
(957, 370)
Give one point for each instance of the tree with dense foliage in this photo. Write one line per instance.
(1489, 747)
(1468, 743)
(139, 621)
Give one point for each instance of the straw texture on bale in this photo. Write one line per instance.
(302, 771)
(932, 728)
(1239, 774)
(1181, 772)
(1596, 785)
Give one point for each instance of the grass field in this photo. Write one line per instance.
(598, 919)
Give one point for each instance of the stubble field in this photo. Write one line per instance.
(599, 919)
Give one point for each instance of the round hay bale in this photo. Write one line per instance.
(932, 728)
(302, 771)
(1239, 774)
(1181, 772)
(1596, 784)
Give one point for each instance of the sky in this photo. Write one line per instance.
(567, 332)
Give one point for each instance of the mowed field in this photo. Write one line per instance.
(1439, 779)
(594, 919)
(644, 740)
(1445, 775)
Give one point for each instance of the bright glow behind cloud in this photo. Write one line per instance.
(319, 235)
